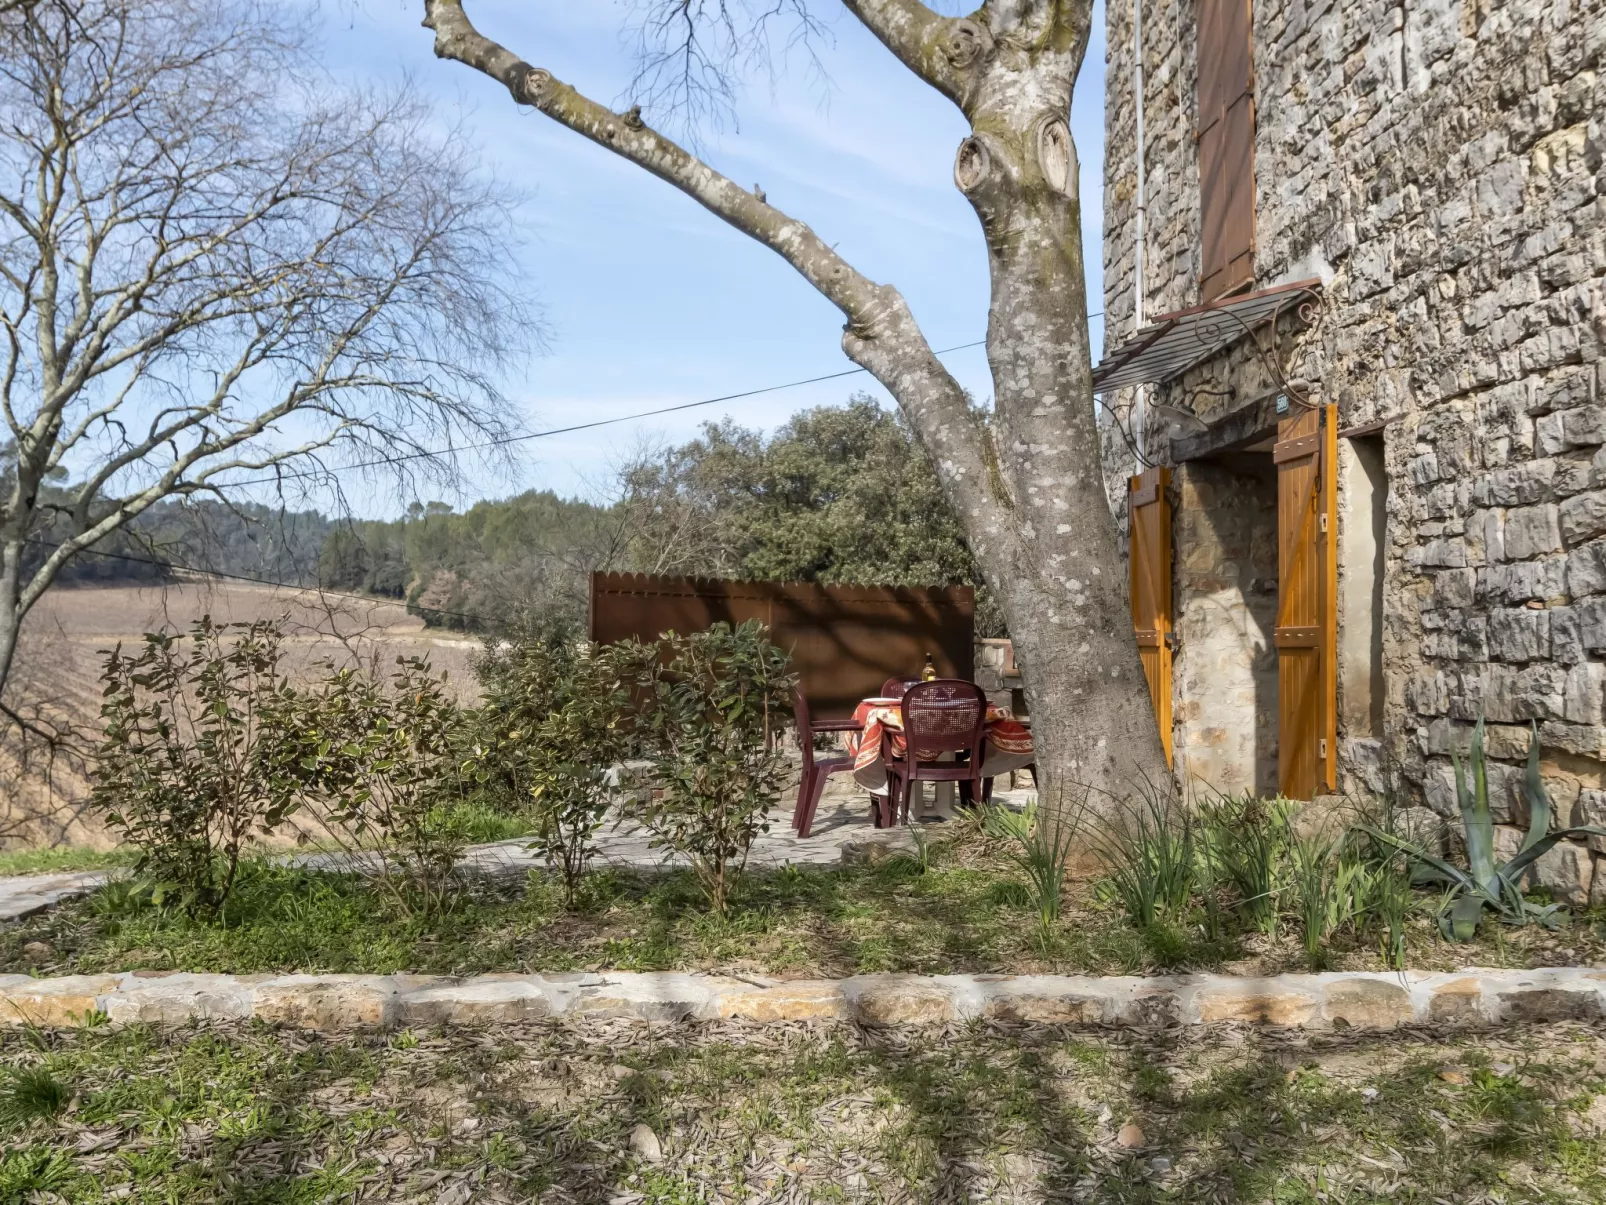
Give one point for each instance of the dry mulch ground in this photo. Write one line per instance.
(624, 1113)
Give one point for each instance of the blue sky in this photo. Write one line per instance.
(654, 302)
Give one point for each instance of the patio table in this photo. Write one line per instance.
(1009, 744)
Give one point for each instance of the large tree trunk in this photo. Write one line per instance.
(1027, 484)
(1060, 577)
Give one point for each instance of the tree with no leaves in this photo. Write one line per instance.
(1027, 482)
(217, 269)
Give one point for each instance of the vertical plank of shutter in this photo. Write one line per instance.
(1327, 502)
(1299, 630)
(1226, 137)
(1149, 524)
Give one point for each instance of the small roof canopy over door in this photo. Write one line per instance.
(1175, 342)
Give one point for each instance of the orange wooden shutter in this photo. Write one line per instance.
(1226, 137)
(1307, 605)
(1149, 519)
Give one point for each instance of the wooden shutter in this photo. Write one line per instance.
(1149, 521)
(1306, 455)
(1226, 135)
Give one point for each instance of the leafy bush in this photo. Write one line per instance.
(711, 708)
(191, 764)
(575, 751)
(1485, 885)
(522, 674)
(557, 720)
(378, 762)
(1041, 844)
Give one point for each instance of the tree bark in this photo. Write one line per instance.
(1028, 483)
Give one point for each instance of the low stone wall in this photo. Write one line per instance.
(332, 1002)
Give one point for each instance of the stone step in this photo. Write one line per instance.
(1334, 1000)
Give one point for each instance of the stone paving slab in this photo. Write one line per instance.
(23, 895)
(1336, 1000)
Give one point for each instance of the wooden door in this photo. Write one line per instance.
(1149, 520)
(1307, 605)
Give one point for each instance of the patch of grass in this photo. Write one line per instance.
(964, 909)
(479, 821)
(30, 1094)
(63, 858)
(822, 1113)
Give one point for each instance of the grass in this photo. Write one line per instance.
(821, 1113)
(962, 906)
(64, 858)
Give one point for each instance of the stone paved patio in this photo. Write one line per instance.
(842, 831)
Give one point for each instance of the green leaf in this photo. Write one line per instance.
(1465, 914)
(1475, 817)
(1534, 793)
(1445, 871)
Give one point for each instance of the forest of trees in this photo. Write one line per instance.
(837, 494)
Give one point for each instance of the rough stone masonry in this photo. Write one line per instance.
(1441, 167)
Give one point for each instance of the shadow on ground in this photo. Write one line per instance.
(794, 1112)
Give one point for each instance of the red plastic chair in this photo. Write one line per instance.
(941, 717)
(815, 770)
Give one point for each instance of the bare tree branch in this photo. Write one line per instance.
(212, 262)
(881, 334)
(943, 51)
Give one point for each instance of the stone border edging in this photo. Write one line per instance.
(335, 1002)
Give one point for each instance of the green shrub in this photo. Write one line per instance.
(711, 707)
(191, 766)
(522, 674)
(566, 716)
(377, 762)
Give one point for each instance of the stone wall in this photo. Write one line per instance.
(1439, 166)
(1226, 606)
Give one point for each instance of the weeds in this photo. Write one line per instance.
(29, 1094)
(1041, 843)
(1148, 859)
(1248, 841)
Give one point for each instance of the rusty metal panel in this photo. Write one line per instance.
(845, 641)
(1226, 137)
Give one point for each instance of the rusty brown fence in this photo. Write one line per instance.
(845, 641)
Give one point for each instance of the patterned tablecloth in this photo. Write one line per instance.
(1009, 742)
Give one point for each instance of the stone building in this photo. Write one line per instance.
(1355, 302)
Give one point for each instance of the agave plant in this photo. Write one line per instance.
(1484, 885)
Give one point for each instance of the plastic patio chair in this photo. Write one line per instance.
(941, 717)
(815, 769)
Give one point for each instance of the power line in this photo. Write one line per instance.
(603, 422)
